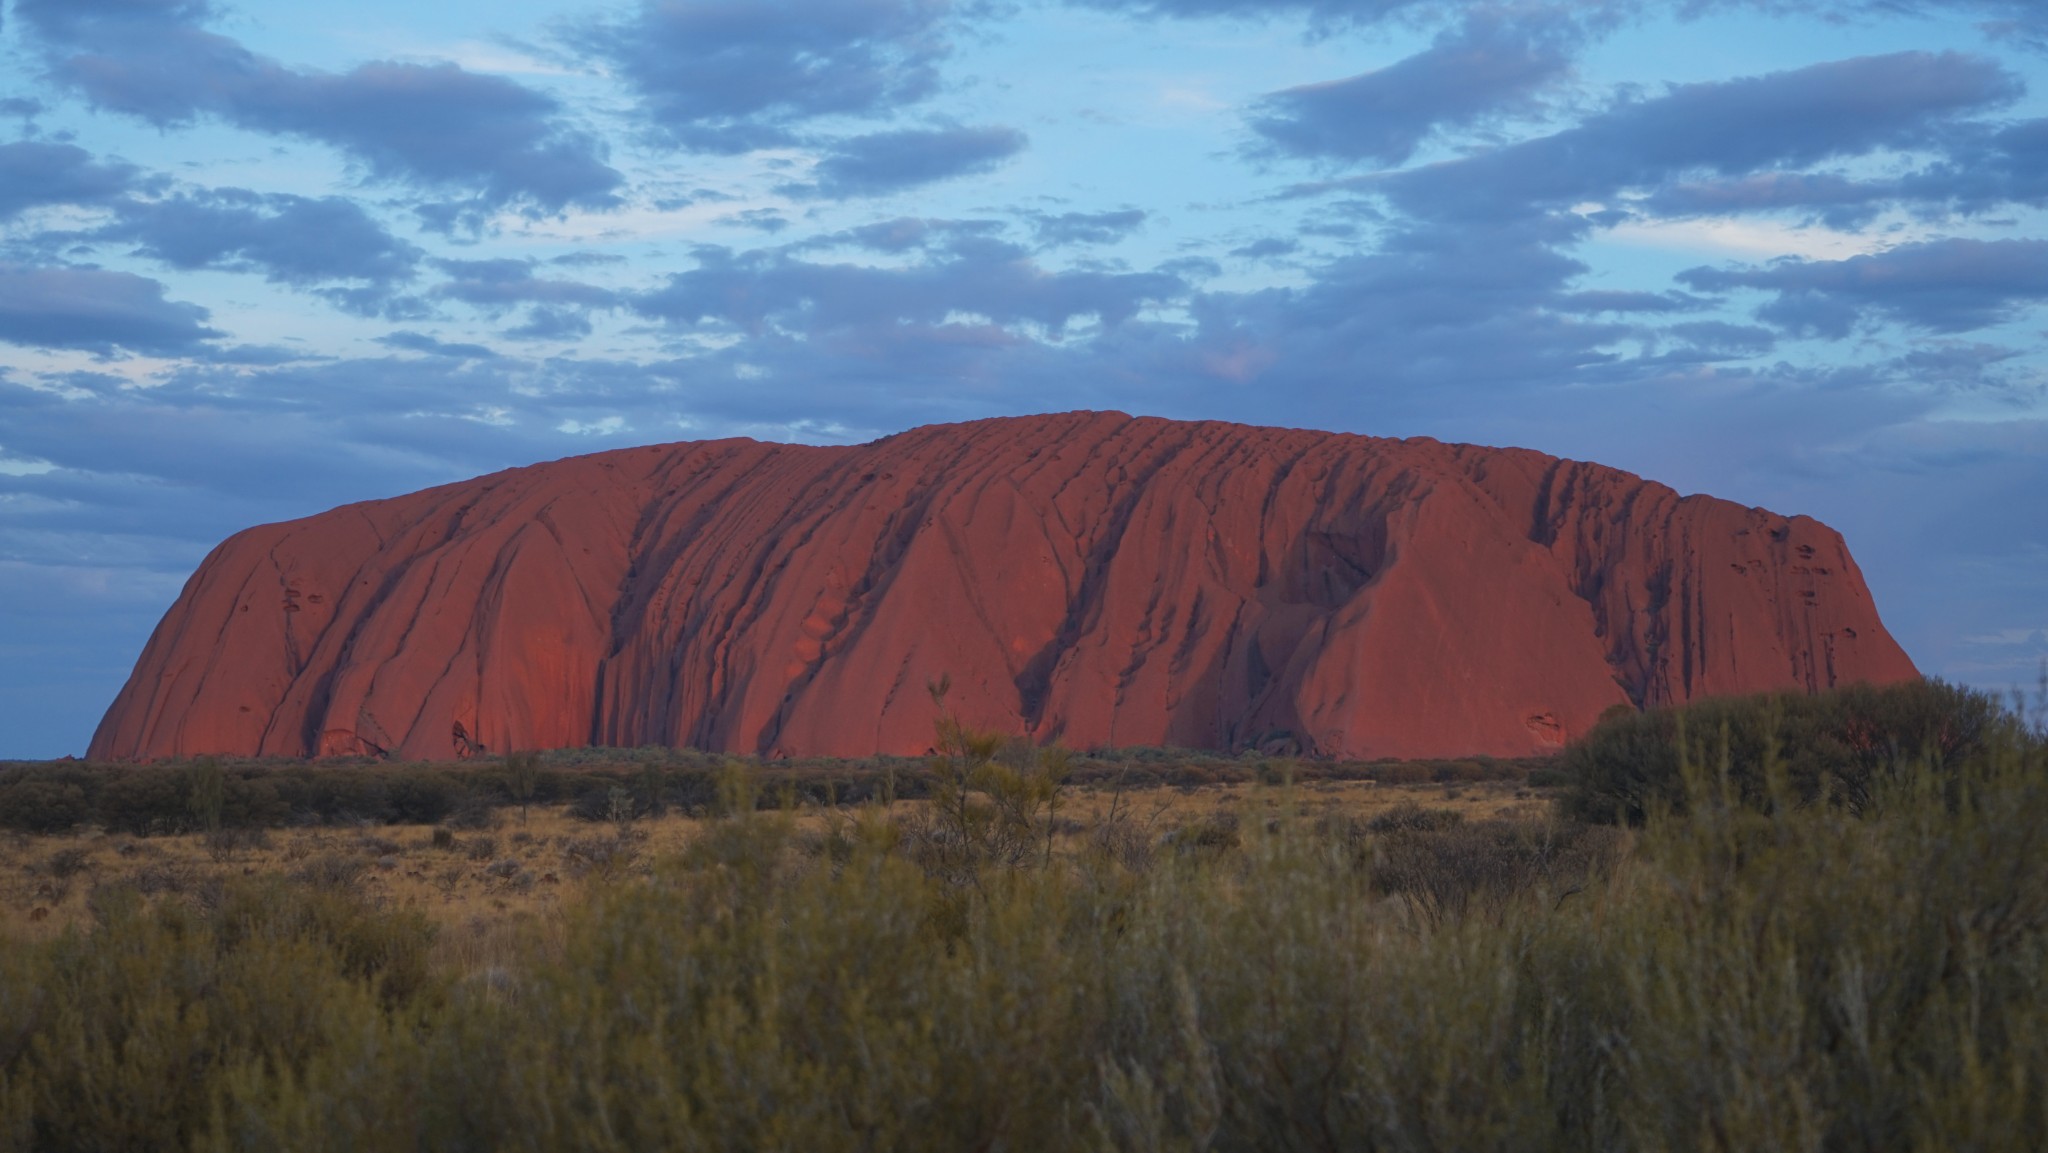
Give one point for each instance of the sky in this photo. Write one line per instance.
(260, 259)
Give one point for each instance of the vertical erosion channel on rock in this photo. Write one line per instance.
(1090, 578)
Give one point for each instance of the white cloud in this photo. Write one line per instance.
(609, 426)
(23, 466)
(2009, 637)
(1731, 236)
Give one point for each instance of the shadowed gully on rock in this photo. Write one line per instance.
(1087, 578)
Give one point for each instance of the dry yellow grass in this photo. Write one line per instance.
(500, 890)
(1167, 807)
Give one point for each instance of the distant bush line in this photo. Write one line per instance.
(1771, 750)
(1794, 747)
(44, 797)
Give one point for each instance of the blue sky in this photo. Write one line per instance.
(260, 259)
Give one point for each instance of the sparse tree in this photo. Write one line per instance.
(522, 777)
(993, 801)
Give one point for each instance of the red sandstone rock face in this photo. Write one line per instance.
(1087, 578)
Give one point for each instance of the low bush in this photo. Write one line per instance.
(1215, 833)
(1839, 745)
(1409, 817)
(473, 812)
(1449, 868)
(144, 801)
(607, 858)
(66, 863)
(130, 1036)
(47, 805)
(332, 871)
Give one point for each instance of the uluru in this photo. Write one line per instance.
(1087, 578)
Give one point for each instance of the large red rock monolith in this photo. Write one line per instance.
(1087, 578)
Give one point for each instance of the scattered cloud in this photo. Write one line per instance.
(96, 311)
(1748, 237)
(880, 163)
(587, 259)
(1987, 171)
(1084, 228)
(494, 285)
(2009, 636)
(905, 234)
(35, 173)
(434, 126)
(422, 343)
(767, 292)
(1944, 286)
(965, 326)
(1490, 65)
(2019, 21)
(739, 75)
(1325, 13)
(1430, 310)
(1720, 340)
(1803, 116)
(292, 240)
(1625, 301)
(557, 309)
(759, 219)
(1266, 248)
(1839, 202)
(552, 324)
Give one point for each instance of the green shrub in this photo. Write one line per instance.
(144, 801)
(994, 802)
(421, 798)
(1841, 744)
(1403, 773)
(128, 1037)
(43, 806)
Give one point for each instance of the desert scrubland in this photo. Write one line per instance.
(1785, 921)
